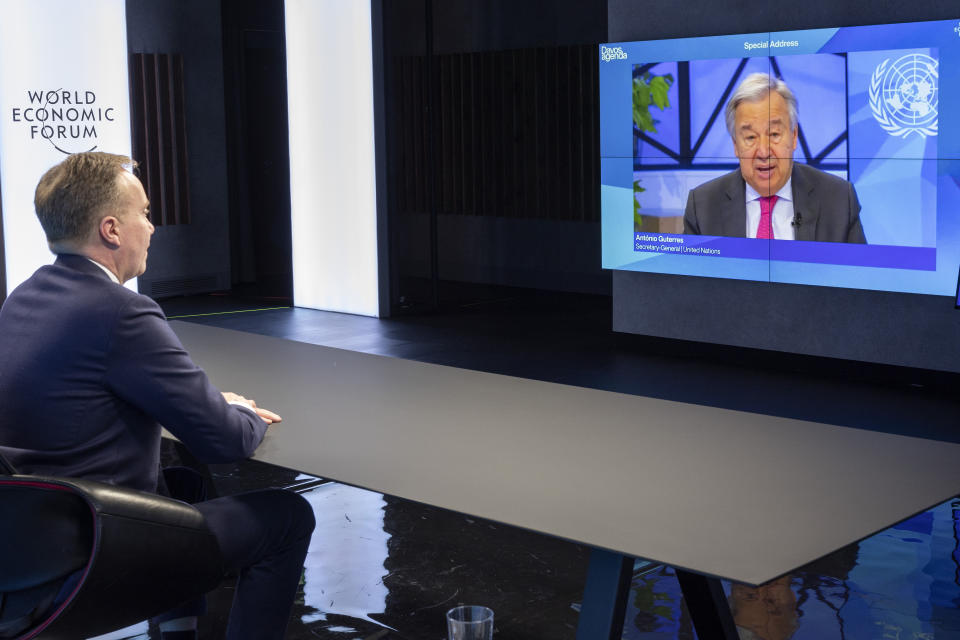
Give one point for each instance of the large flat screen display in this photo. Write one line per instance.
(827, 157)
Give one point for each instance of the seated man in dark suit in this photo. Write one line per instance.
(769, 196)
(89, 370)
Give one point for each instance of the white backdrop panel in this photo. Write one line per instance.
(332, 173)
(63, 89)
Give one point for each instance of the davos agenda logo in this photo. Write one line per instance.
(904, 95)
(612, 53)
(70, 120)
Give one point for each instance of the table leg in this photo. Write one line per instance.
(605, 596)
(707, 605)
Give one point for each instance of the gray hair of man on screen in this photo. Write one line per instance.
(754, 88)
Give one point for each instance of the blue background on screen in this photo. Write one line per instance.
(818, 82)
(900, 181)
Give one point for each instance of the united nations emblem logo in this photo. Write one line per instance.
(904, 95)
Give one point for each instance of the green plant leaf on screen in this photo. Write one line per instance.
(641, 106)
(637, 218)
(650, 90)
(659, 87)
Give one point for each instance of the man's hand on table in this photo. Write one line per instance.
(265, 414)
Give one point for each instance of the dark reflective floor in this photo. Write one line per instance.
(386, 568)
(380, 567)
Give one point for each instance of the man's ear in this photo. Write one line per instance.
(109, 231)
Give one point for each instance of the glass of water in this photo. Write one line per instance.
(470, 623)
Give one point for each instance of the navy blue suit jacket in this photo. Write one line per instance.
(828, 208)
(89, 370)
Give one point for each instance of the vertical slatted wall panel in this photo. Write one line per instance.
(404, 79)
(181, 173)
(469, 80)
(159, 134)
(515, 133)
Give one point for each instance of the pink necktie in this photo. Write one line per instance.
(765, 228)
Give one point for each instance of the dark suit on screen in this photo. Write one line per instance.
(89, 370)
(827, 206)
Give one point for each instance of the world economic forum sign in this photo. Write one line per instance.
(63, 89)
(70, 121)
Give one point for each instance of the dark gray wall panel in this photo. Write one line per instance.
(554, 255)
(654, 19)
(198, 252)
(491, 25)
(869, 326)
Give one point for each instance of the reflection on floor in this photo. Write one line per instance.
(388, 569)
(899, 584)
(385, 568)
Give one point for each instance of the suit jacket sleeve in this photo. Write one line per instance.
(855, 231)
(150, 369)
(690, 222)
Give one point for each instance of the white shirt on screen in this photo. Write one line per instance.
(782, 217)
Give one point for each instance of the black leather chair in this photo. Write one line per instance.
(80, 558)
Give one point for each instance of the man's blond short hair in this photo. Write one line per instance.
(72, 196)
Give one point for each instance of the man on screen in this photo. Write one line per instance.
(770, 197)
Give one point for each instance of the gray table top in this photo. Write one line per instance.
(737, 495)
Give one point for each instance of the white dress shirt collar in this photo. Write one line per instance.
(105, 270)
(781, 217)
(785, 193)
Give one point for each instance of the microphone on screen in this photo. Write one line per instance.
(797, 220)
